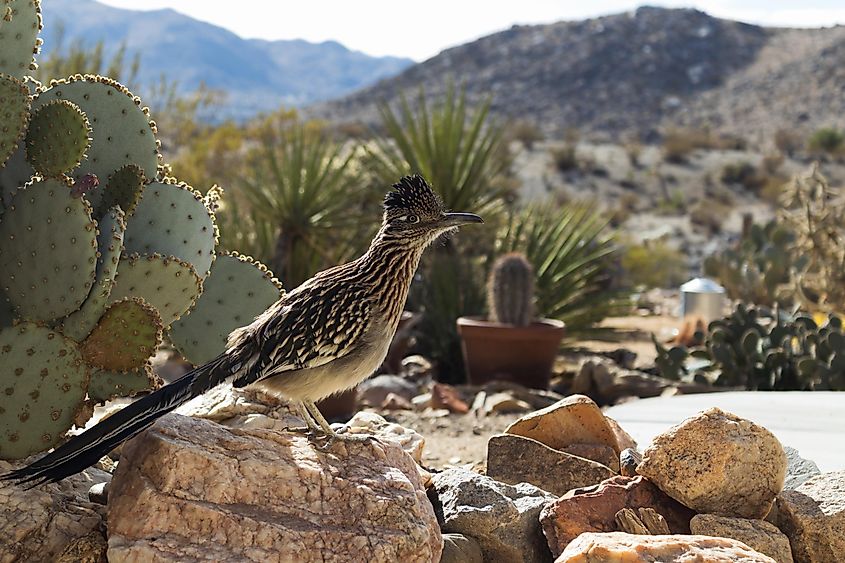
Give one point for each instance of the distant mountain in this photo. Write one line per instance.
(635, 74)
(257, 75)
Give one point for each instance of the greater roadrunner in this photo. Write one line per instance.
(327, 335)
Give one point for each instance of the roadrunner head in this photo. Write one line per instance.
(416, 215)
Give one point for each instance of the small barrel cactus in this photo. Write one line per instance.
(510, 290)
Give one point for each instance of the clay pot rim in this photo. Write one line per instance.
(549, 324)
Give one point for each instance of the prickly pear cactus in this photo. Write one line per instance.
(43, 381)
(125, 337)
(57, 138)
(14, 114)
(20, 23)
(48, 251)
(98, 251)
(510, 290)
(121, 130)
(110, 230)
(106, 385)
(236, 291)
(173, 220)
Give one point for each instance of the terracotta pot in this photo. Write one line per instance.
(522, 354)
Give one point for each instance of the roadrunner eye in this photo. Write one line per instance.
(413, 219)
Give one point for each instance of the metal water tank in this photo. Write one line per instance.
(702, 298)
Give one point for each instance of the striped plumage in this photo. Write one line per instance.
(327, 335)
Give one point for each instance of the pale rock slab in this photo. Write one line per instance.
(38, 524)
(190, 490)
(516, 459)
(619, 547)
(573, 420)
(813, 516)
(502, 518)
(375, 425)
(717, 463)
(757, 534)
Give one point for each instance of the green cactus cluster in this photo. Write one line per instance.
(510, 290)
(769, 352)
(100, 252)
(759, 266)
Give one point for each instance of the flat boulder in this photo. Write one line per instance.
(192, 490)
(617, 547)
(757, 534)
(717, 463)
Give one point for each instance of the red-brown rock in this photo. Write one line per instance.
(593, 509)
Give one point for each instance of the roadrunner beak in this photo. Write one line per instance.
(458, 219)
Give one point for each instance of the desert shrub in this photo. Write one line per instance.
(679, 144)
(709, 215)
(788, 142)
(673, 203)
(827, 140)
(526, 133)
(564, 158)
(741, 173)
(633, 150)
(771, 163)
(815, 212)
(654, 263)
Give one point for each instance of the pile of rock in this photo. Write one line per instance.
(564, 484)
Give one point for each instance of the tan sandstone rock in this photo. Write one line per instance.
(458, 548)
(757, 534)
(718, 463)
(813, 516)
(593, 509)
(38, 524)
(619, 547)
(573, 420)
(371, 423)
(516, 459)
(192, 490)
(599, 453)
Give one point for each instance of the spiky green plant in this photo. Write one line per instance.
(571, 249)
(303, 186)
(510, 290)
(455, 146)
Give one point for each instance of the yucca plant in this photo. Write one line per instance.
(571, 249)
(454, 146)
(299, 204)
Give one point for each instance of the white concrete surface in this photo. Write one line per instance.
(813, 422)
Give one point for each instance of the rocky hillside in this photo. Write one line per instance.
(637, 73)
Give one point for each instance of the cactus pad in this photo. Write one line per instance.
(110, 230)
(14, 113)
(48, 251)
(125, 337)
(234, 293)
(123, 188)
(107, 385)
(15, 174)
(57, 138)
(20, 22)
(43, 383)
(121, 131)
(172, 219)
(167, 283)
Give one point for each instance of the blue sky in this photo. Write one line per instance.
(420, 29)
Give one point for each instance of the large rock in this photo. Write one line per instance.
(515, 459)
(718, 463)
(190, 490)
(458, 548)
(573, 420)
(38, 524)
(798, 469)
(757, 534)
(374, 391)
(620, 547)
(375, 425)
(594, 509)
(502, 518)
(813, 516)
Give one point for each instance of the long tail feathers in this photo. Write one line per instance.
(84, 450)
